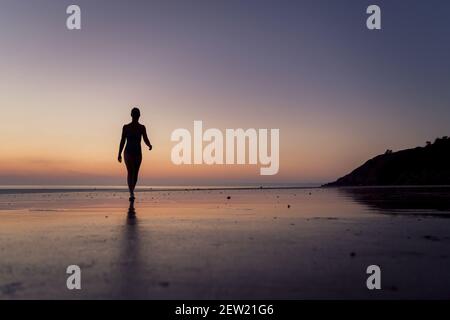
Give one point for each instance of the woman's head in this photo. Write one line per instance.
(135, 114)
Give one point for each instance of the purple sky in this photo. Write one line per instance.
(338, 92)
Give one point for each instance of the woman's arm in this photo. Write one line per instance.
(122, 144)
(146, 140)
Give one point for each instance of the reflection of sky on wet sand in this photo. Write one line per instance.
(202, 245)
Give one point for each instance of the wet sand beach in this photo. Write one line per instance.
(226, 244)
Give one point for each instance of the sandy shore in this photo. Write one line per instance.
(258, 244)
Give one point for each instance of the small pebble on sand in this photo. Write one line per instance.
(164, 284)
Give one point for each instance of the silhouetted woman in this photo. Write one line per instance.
(132, 133)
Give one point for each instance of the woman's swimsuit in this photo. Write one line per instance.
(133, 146)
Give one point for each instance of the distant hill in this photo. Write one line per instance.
(429, 165)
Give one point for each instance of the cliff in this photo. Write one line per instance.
(429, 165)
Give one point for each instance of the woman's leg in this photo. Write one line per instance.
(130, 164)
(137, 165)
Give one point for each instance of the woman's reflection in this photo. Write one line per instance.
(131, 265)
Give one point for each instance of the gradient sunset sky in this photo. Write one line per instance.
(339, 93)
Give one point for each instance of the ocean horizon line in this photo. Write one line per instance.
(11, 189)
